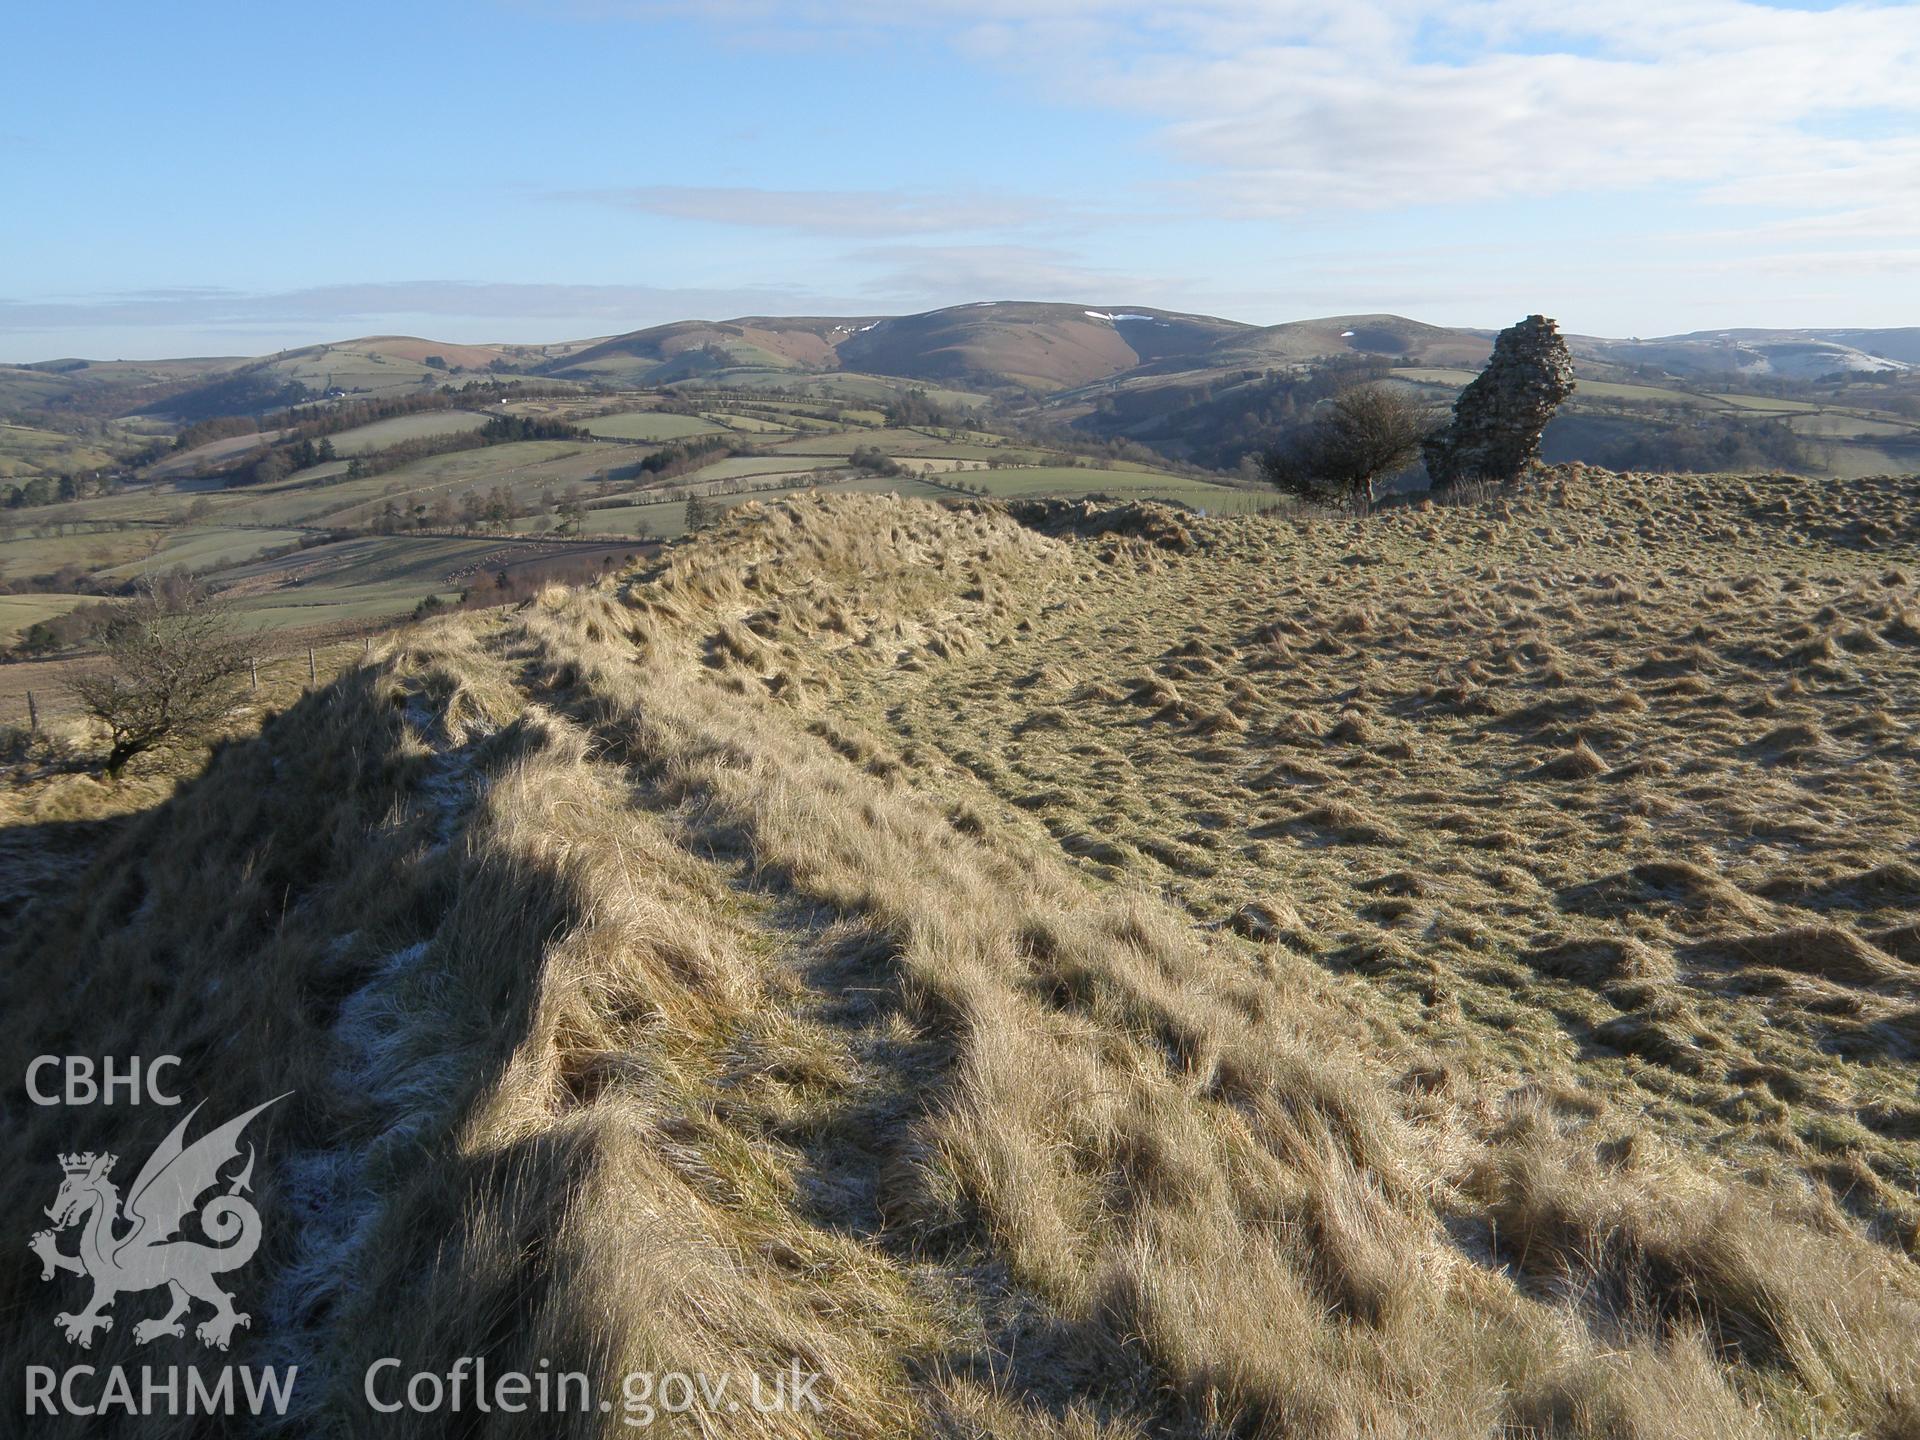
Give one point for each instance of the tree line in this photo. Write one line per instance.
(55, 489)
(261, 467)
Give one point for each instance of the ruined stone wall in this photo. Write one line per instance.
(1498, 418)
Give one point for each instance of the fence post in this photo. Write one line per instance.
(33, 713)
(253, 669)
(313, 670)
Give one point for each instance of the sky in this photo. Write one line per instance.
(219, 179)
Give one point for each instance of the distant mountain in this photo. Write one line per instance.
(1785, 354)
(685, 348)
(1037, 347)
(1388, 337)
(1033, 346)
(1072, 354)
(1049, 349)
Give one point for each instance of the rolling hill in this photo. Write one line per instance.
(665, 353)
(1390, 336)
(1038, 347)
(1788, 354)
(1042, 349)
(1193, 388)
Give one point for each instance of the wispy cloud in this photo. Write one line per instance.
(920, 275)
(1688, 163)
(618, 306)
(833, 212)
(1285, 107)
(198, 321)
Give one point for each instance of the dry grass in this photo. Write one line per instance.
(1244, 977)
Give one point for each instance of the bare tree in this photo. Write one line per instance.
(1355, 438)
(170, 667)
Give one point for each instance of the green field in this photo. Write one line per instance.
(1042, 481)
(1839, 424)
(220, 533)
(1851, 461)
(214, 452)
(743, 466)
(1006, 454)
(1768, 402)
(382, 433)
(167, 501)
(648, 425)
(28, 554)
(748, 424)
(893, 442)
(664, 518)
(527, 463)
(363, 579)
(18, 612)
(198, 551)
(26, 451)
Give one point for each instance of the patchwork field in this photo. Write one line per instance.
(744, 467)
(303, 501)
(212, 453)
(1030, 482)
(355, 580)
(381, 433)
(377, 546)
(23, 556)
(199, 551)
(649, 425)
(26, 451)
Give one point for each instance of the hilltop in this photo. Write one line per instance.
(332, 489)
(1040, 348)
(1048, 348)
(1079, 969)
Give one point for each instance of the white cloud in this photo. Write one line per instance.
(1287, 106)
(186, 321)
(920, 276)
(443, 299)
(1757, 163)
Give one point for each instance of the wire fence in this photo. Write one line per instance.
(35, 694)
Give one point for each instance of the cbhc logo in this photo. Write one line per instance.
(80, 1081)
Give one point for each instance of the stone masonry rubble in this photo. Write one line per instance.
(1498, 418)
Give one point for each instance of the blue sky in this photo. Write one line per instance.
(226, 179)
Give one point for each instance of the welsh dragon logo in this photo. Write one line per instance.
(136, 1248)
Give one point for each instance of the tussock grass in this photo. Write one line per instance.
(1075, 983)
